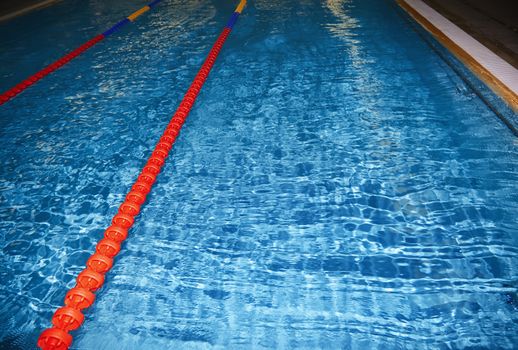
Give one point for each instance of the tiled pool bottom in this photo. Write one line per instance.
(336, 187)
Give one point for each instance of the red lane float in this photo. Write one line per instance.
(79, 298)
(9, 94)
(92, 278)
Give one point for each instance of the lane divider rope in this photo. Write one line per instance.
(15, 90)
(81, 296)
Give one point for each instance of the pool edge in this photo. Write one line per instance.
(26, 9)
(483, 69)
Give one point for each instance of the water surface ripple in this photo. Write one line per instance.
(337, 186)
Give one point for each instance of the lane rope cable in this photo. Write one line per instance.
(15, 90)
(81, 296)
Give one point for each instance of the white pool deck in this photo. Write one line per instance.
(499, 75)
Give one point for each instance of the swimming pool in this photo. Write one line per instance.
(337, 184)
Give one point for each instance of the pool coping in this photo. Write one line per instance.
(494, 71)
(22, 11)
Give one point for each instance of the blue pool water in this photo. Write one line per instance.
(337, 185)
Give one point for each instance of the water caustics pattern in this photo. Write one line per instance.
(336, 186)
